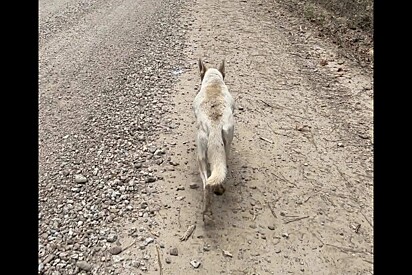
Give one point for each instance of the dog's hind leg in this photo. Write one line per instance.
(227, 133)
(201, 144)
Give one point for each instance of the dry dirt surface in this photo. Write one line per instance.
(119, 189)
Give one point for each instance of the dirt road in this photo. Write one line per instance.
(116, 88)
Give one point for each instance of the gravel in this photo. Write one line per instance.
(99, 151)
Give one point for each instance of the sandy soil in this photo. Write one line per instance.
(299, 194)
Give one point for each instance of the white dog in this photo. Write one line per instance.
(213, 108)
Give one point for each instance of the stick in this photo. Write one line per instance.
(273, 211)
(346, 249)
(297, 219)
(366, 218)
(132, 243)
(267, 140)
(284, 179)
(273, 131)
(267, 104)
(159, 261)
(188, 232)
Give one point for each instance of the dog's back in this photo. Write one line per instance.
(213, 107)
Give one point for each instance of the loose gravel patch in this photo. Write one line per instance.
(99, 148)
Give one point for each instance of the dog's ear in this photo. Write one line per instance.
(202, 69)
(222, 68)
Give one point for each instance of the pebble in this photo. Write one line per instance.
(227, 254)
(150, 179)
(115, 250)
(111, 238)
(194, 186)
(135, 264)
(195, 263)
(174, 163)
(148, 241)
(117, 258)
(80, 179)
(173, 251)
(84, 265)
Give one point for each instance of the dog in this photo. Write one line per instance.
(213, 107)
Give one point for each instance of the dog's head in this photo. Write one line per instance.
(203, 69)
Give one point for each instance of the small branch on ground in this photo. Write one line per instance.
(267, 140)
(272, 211)
(188, 232)
(159, 262)
(297, 219)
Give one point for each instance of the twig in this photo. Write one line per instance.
(188, 232)
(178, 217)
(284, 179)
(254, 215)
(132, 243)
(276, 133)
(159, 261)
(309, 198)
(346, 249)
(366, 218)
(297, 219)
(367, 261)
(267, 104)
(267, 140)
(271, 210)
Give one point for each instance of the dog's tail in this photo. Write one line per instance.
(217, 159)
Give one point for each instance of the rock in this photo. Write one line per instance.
(195, 263)
(194, 186)
(135, 264)
(227, 253)
(40, 268)
(285, 235)
(48, 258)
(277, 251)
(80, 179)
(148, 241)
(173, 251)
(174, 163)
(84, 265)
(271, 227)
(168, 260)
(179, 188)
(111, 238)
(117, 258)
(115, 250)
(340, 144)
(150, 179)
